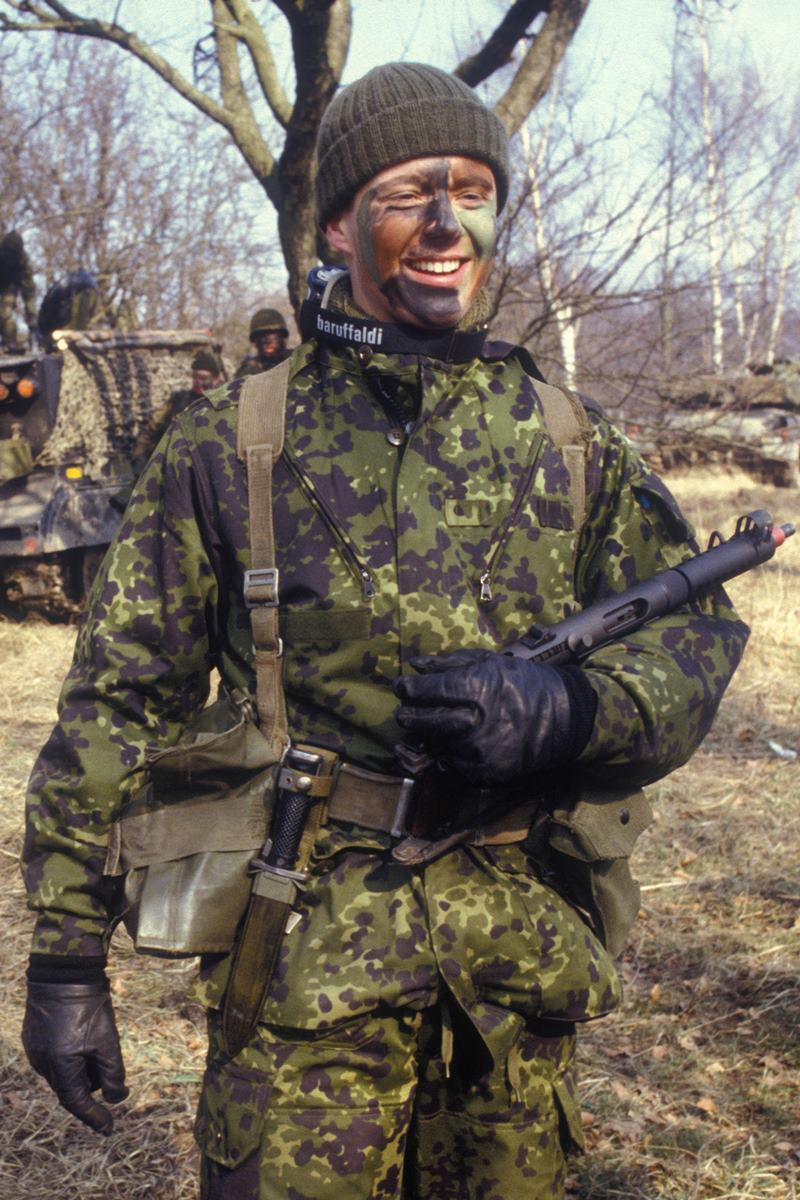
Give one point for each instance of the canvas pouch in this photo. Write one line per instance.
(588, 839)
(185, 840)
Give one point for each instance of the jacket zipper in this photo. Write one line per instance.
(346, 545)
(495, 551)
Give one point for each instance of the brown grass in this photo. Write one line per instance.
(690, 1092)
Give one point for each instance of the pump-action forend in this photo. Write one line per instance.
(754, 541)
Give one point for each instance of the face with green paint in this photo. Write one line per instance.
(419, 240)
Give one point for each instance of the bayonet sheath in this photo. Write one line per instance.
(279, 872)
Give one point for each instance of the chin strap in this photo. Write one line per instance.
(318, 320)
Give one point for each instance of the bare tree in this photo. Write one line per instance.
(578, 249)
(247, 84)
(733, 138)
(90, 188)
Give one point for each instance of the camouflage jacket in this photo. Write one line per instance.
(463, 537)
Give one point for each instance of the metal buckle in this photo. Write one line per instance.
(261, 577)
(398, 829)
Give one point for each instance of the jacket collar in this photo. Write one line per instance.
(330, 315)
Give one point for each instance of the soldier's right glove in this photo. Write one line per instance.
(70, 1037)
(495, 718)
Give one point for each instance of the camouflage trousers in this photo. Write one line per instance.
(417, 1042)
(369, 1111)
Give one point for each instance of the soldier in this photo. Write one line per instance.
(207, 373)
(418, 1035)
(268, 333)
(16, 279)
(71, 303)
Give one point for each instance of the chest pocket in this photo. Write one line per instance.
(523, 547)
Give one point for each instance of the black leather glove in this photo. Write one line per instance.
(71, 1039)
(495, 718)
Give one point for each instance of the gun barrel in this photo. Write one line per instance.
(754, 541)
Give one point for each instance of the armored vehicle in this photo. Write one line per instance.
(76, 426)
(751, 421)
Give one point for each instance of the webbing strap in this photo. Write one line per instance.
(570, 430)
(262, 409)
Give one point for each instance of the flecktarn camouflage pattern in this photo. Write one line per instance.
(471, 969)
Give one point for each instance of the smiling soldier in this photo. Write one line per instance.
(433, 500)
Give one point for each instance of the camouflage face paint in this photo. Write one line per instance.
(422, 237)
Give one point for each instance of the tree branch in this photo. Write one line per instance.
(66, 21)
(250, 32)
(55, 17)
(500, 46)
(539, 64)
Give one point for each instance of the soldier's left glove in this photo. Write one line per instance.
(495, 718)
(70, 1037)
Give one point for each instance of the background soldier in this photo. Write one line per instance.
(16, 279)
(71, 303)
(207, 373)
(418, 1035)
(268, 333)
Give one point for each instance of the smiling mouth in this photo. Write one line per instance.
(436, 267)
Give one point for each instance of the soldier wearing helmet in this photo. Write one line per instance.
(417, 1035)
(268, 333)
(207, 373)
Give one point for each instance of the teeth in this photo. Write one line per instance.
(446, 267)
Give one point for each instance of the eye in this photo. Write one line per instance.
(472, 197)
(402, 198)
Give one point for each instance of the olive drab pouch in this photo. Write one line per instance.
(185, 841)
(588, 840)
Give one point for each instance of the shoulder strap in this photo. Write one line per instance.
(570, 429)
(259, 442)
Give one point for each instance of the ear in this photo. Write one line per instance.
(337, 231)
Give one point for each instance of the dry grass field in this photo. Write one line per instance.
(690, 1092)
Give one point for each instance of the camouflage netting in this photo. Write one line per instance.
(115, 391)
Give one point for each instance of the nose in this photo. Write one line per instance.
(441, 226)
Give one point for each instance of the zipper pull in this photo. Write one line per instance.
(486, 591)
(367, 583)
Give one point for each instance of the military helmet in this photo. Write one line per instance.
(267, 319)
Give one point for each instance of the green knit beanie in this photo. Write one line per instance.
(396, 112)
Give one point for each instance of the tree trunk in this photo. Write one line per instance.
(715, 247)
(320, 40)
